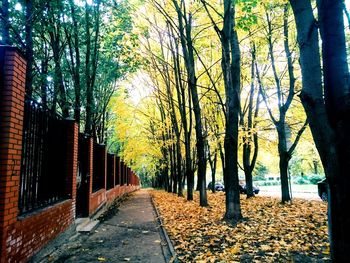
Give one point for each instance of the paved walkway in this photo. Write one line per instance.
(130, 235)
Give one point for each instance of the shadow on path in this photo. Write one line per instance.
(131, 234)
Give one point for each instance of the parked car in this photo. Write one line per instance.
(323, 189)
(218, 186)
(243, 189)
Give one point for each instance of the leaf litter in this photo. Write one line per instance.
(270, 231)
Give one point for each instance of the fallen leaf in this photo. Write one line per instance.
(272, 233)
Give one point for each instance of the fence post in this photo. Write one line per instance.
(12, 92)
(117, 171)
(90, 168)
(104, 160)
(121, 173)
(110, 171)
(128, 176)
(72, 158)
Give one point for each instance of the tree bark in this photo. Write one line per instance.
(75, 44)
(284, 158)
(231, 70)
(328, 112)
(185, 28)
(250, 137)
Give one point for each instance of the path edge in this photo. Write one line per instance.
(174, 258)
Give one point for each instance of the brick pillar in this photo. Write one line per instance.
(12, 92)
(125, 173)
(104, 160)
(72, 158)
(117, 171)
(128, 176)
(114, 162)
(121, 173)
(90, 148)
(110, 171)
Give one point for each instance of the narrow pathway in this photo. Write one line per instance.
(131, 235)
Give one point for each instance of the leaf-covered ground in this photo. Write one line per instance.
(270, 231)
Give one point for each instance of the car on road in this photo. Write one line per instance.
(243, 189)
(323, 189)
(218, 186)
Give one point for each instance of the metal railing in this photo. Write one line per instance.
(43, 163)
(98, 178)
(110, 170)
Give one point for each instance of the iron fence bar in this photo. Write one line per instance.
(43, 167)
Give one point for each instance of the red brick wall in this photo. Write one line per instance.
(118, 192)
(97, 199)
(113, 193)
(11, 122)
(30, 234)
(22, 237)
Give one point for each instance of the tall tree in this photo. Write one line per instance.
(248, 122)
(285, 97)
(185, 32)
(91, 59)
(230, 64)
(327, 107)
(29, 16)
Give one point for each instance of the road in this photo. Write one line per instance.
(298, 191)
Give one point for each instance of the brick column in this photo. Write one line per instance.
(128, 175)
(104, 160)
(110, 171)
(121, 173)
(90, 147)
(12, 92)
(117, 171)
(72, 158)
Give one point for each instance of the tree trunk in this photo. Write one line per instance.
(248, 138)
(328, 115)
(283, 161)
(44, 70)
(231, 70)
(337, 101)
(178, 166)
(188, 53)
(88, 86)
(58, 78)
(76, 64)
(29, 46)
(213, 170)
(248, 170)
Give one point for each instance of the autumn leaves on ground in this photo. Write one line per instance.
(270, 231)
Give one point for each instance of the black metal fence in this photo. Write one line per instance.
(110, 170)
(43, 165)
(98, 178)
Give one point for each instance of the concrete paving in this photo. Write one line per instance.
(132, 234)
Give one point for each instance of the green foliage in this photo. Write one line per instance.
(301, 180)
(247, 16)
(260, 171)
(315, 178)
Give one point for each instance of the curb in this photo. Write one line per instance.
(173, 258)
